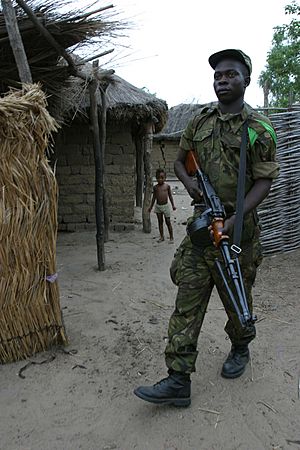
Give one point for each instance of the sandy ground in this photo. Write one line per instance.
(116, 322)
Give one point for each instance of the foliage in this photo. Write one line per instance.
(281, 78)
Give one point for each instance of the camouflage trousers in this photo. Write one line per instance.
(194, 271)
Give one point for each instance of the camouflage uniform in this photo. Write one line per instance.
(216, 138)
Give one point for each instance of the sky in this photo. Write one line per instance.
(166, 49)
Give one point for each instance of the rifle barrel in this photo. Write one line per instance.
(234, 272)
(217, 216)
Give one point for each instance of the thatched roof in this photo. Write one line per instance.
(129, 103)
(178, 117)
(70, 27)
(125, 102)
(67, 94)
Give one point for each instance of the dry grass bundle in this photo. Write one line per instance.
(30, 317)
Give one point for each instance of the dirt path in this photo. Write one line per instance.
(116, 322)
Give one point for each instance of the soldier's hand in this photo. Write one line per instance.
(228, 225)
(194, 191)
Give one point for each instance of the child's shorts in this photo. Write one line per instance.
(163, 209)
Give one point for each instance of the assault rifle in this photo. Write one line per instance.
(214, 217)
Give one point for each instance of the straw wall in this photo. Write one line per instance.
(280, 212)
(30, 315)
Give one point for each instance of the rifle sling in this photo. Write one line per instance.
(238, 224)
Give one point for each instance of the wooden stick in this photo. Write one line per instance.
(268, 406)
(99, 55)
(209, 411)
(116, 287)
(48, 36)
(158, 305)
(217, 421)
(84, 16)
(16, 42)
(281, 321)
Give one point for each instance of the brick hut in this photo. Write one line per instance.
(165, 143)
(132, 117)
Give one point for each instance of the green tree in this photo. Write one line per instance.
(281, 77)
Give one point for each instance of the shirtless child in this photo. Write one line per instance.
(161, 194)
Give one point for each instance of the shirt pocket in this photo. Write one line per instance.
(203, 140)
(202, 134)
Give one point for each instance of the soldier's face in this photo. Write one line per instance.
(230, 80)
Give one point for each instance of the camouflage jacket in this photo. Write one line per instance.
(216, 138)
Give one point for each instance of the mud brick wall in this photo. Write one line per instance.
(165, 157)
(75, 172)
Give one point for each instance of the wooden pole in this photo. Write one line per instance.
(103, 143)
(16, 42)
(94, 117)
(139, 162)
(99, 169)
(147, 144)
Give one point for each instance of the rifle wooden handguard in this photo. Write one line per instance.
(190, 163)
(217, 226)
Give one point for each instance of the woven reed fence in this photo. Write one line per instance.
(30, 314)
(280, 212)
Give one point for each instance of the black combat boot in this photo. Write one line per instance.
(173, 390)
(236, 361)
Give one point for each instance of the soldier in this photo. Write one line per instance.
(215, 135)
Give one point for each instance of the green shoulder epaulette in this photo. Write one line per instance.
(253, 134)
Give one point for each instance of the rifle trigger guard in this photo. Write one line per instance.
(236, 249)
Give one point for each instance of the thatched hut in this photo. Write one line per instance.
(279, 213)
(130, 114)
